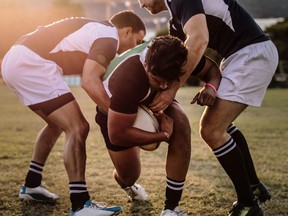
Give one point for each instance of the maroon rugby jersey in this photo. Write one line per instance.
(126, 81)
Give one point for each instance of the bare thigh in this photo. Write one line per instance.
(216, 119)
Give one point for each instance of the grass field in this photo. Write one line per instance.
(208, 192)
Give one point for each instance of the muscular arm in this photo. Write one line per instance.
(211, 74)
(93, 73)
(196, 43)
(122, 133)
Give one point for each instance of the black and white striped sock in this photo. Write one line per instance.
(241, 142)
(78, 194)
(34, 175)
(231, 159)
(174, 191)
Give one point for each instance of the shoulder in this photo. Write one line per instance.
(128, 82)
(183, 10)
(101, 30)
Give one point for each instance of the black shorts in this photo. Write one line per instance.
(47, 107)
(101, 119)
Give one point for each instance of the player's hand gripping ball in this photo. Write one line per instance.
(145, 120)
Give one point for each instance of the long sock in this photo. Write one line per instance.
(34, 175)
(174, 191)
(241, 142)
(231, 159)
(78, 194)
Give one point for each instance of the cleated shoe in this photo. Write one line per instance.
(261, 192)
(92, 209)
(176, 212)
(241, 210)
(136, 192)
(39, 194)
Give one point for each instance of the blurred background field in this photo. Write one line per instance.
(208, 192)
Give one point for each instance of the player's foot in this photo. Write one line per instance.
(92, 209)
(136, 192)
(176, 212)
(261, 192)
(239, 209)
(39, 194)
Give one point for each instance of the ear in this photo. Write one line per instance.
(128, 30)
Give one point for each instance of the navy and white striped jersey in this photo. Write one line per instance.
(230, 25)
(69, 42)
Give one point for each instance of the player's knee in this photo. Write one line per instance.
(83, 129)
(79, 131)
(182, 127)
(129, 178)
(210, 135)
(182, 131)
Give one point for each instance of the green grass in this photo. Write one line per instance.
(208, 190)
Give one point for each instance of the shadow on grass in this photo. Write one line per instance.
(140, 208)
(34, 208)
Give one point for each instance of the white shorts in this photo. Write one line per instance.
(247, 73)
(32, 78)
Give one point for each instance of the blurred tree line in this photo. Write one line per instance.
(279, 35)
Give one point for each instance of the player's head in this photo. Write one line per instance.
(128, 18)
(164, 60)
(153, 6)
(131, 29)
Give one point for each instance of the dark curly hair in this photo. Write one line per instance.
(165, 57)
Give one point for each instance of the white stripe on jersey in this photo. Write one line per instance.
(83, 38)
(218, 9)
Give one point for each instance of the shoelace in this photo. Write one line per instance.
(98, 204)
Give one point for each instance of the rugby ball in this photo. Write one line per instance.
(145, 120)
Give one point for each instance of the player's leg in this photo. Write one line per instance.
(126, 162)
(43, 146)
(245, 77)
(178, 157)
(258, 188)
(127, 166)
(71, 120)
(127, 171)
(214, 123)
(26, 74)
(45, 140)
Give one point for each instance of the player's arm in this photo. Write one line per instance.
(196, 43)
(122, 133)
(197, 38)
(207, 71)
(93, 73)
(102, 52)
